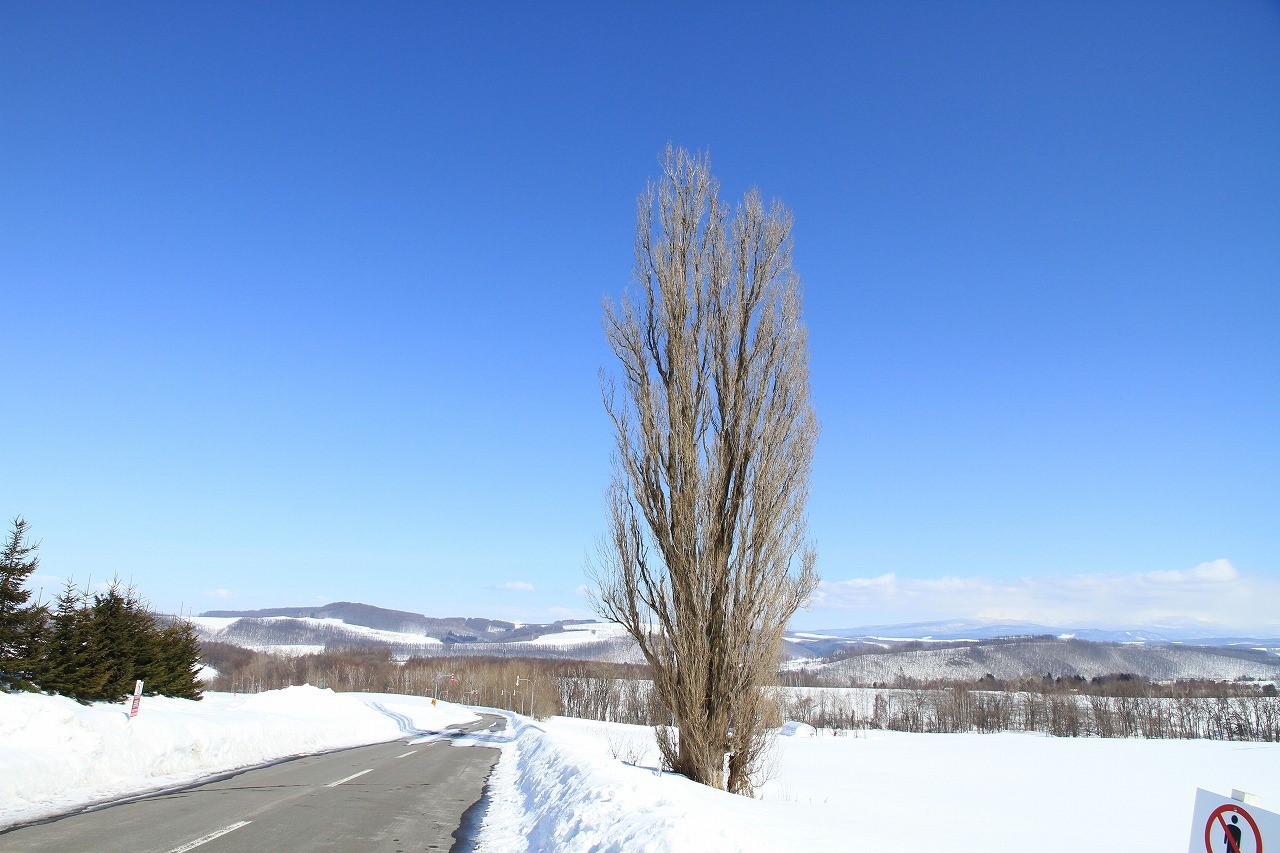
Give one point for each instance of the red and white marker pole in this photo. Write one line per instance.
(137, 699)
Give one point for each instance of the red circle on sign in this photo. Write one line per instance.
(1216, 818)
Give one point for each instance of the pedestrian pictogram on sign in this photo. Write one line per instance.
(1224, 825)
(1225, 832)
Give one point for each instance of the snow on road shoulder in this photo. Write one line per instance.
(559, 787)
(57, 755)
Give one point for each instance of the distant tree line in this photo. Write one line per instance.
(1236, 712)
(863, 649)
(592, 690)
(539, 687)
(1112, 706)
(91, 647)
(1116, 684)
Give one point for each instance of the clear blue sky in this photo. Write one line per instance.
(302, 301)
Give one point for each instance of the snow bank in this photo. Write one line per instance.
(562, 790)
(575, 785)
(57, 755)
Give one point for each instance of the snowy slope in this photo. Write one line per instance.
(279, 633)
(575, 635)
(1056, 657)
(299, 635)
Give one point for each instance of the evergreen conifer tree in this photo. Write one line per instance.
(71, 665)
(179, 661)
(125, 638)
(20, 622)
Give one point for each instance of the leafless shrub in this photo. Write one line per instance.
(624, 746)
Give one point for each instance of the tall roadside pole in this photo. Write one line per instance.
(533, 694)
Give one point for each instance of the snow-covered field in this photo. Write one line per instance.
(564, 789)
(576, 785)
(576, 635)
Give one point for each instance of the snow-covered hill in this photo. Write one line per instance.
(343, 624)
(870, 654)
(304, 635)
(287, 635)
(1013, 659)
(449, 629)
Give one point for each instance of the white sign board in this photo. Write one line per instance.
(1223, 825)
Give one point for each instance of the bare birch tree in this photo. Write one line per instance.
(707, 557)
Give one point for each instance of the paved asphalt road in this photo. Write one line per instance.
(384, 797)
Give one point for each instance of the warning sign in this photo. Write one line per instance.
(137, 700)
(1224, 825)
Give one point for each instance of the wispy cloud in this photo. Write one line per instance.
(515, 586)
(1212, 594)
(220, 593)
(44, 581)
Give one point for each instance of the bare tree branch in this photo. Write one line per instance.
(707, 558)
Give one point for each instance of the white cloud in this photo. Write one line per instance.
(516, 586)
(1219, 571)
(45, 582)
(220, 593)
(1212, 594)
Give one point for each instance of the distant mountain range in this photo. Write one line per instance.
(345, 624)
(873, 653)
(1014, 658)
(449, 630)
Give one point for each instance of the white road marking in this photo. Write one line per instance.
(349, 778)
(407, 754)
(191, 845)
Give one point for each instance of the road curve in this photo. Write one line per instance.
(385, 797)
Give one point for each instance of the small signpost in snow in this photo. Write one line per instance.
(1232, 824)
(137, 700)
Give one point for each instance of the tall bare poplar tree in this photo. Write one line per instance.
(706, 559)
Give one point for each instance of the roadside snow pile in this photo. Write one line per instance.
(57, 755)
(562, 790)
(575, 785)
